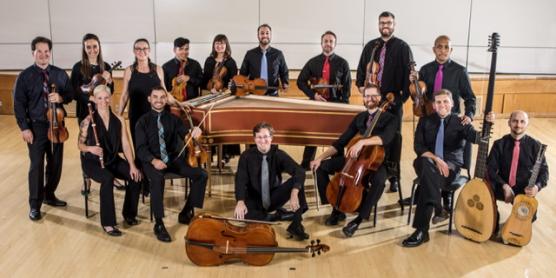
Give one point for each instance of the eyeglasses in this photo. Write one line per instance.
(144, 49)
(385, 22)
(263, 137)
(371, 96)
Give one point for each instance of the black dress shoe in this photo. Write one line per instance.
(185, 216)
(113, 232)
(297, 231)
(131, 221)
(284, 215)
(394, 185)
(334, 218)
(35, 215)
(350, 228)
(161, 233)
(417, 238)
(55, 202)
(407, 201)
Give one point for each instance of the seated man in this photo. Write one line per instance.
(510, 162)
(159, 134)
(258, 186)
(382, 134)
(439, 144)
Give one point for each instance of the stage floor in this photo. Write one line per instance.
(66, 244)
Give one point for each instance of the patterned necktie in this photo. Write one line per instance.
(438, 79)
(381, 59)
(45, 80)
(515, 162)
(163, 153)
(264, 67)
(439, 145)
(265, 184)
(370, 119)
(326, 69)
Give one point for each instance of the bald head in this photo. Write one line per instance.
(518, 122)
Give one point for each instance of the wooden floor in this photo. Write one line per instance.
(66, 244)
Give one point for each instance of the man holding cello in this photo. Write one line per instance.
(381, 135)
(32, 99)
(326, 77)
(158, 134)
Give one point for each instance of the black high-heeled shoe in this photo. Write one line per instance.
(113, 232)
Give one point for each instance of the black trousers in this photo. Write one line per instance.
(38, 150)
(431, 184)
(117, 169)
(394, 151)
(279, 195)
(198, 178)
(308, 155)
(374, 181)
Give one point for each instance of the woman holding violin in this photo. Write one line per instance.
(159, 135)
(220, 67)
(102, 135)
(383, 130)
(91, 64)
(32, 98)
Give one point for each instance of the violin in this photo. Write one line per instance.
(213, 240)
(98, 79)
(197, 154)
(372, 68)
(345, 190)
(421, 105)
(57, 131)
(178, 89)
(216, 82)
(240, 85)
(321, 87)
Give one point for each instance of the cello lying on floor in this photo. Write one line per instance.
(213, 240)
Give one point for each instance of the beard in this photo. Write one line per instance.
(386, 32)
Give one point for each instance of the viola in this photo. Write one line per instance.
(421, 105)
(57, 131)
(240, 85)
(345, 190)
(213, 240)
(372, 68)
(98, 79)
(322, 87)
(216, 82)
(197, 154)
(179, 89)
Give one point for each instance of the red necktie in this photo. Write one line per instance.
(513, 168)
(326, 69)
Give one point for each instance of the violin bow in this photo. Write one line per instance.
(244, 220)
(200, 123)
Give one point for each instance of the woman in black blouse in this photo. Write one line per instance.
(221, 56)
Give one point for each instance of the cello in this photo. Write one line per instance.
(240, 85)
(475, 211)
(418, 89)
(213, 240)
(345, 190)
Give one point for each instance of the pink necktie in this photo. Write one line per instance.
(438, 79)
(381, 59)
(513, 168)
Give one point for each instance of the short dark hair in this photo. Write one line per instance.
(264, 25)
(387, 14)
(263, 125)
(371, 86)
(40, 39)
(442, 92)
(328, 33)
(157, 88)
(179, 42)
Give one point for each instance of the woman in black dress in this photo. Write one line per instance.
(221, 56)
(102, 162)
